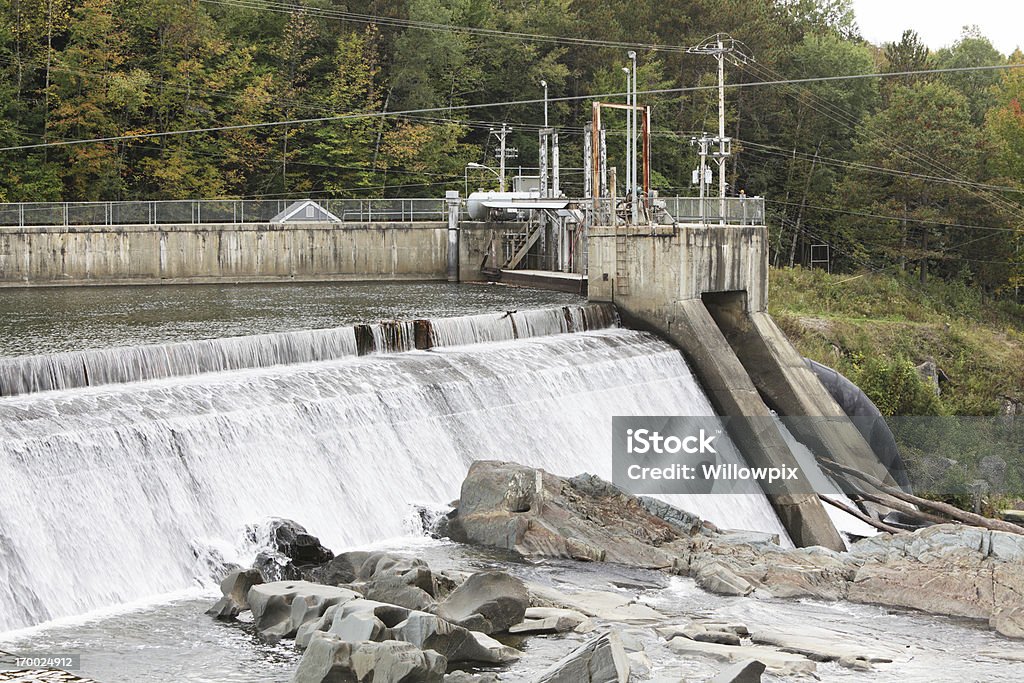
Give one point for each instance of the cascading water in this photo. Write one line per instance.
(93, 367)
(116, 492)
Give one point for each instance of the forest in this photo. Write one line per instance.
(918, 172)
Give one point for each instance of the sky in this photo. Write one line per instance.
(939, 22)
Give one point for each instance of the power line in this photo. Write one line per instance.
(290, 8)
(758, 148)
(487, 105)
(894, 218)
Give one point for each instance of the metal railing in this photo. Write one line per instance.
(738, 210)
(194, 212)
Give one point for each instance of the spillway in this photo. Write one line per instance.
(121, 491)
(93, 367)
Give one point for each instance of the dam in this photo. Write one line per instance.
(408, 403)
(143, 466)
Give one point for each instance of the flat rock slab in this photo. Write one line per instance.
(776, 661)
(823, 645)
(601, 604)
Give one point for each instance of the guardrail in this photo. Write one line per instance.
(738, 211)
(194, 212)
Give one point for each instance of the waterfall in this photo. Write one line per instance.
(117, 492)
(93, 367)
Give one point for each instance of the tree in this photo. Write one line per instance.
(925, 129)
(972, 50)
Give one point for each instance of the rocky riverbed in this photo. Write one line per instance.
(385, 616)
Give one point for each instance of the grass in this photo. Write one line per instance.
(872, 327)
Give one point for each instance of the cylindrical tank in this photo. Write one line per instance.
(478, 212)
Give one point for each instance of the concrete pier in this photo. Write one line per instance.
(705, 289)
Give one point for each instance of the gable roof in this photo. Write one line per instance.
(305, 211)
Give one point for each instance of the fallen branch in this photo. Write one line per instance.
(867, 519)
(950, 511)
(905, 508)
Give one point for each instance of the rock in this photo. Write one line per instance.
(235, 588)
(855, 663)
(1015, 516)
(730, 626)
(824, 645)
(276, 567)
(777, 662)
(457, 644)
(577, 617)
(600, 660)
(331, 659)
(534, 513)
(463, 677)
(287, 549)
(341, 570)
(549, 625)
(715, 577)
(685, 522)
(280, 608)
(757, 538)
(639, 664)
(397, 590)
(489, 602)
(720, 637)
(357, 626)
(601, 604)
(928, 371)
(746, 671)
(371, 620)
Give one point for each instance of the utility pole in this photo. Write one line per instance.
(632, 144)
(720, 45)
(501, 153)
(629, 124)
(544, 84)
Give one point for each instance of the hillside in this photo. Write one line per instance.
(875, 328)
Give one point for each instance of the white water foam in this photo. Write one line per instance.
(114, 493)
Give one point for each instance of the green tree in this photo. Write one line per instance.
(926, 127)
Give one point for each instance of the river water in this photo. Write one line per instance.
(53, 319)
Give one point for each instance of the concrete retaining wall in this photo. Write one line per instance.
(127, 254)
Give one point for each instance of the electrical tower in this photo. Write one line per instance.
(720, 45)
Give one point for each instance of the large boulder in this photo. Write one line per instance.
(235, 588)
(458, 644)
(342, 569)
(371, 620)
(281, 607)
(383, 576)
(534, 513)
(489, 602)
(599, 660)
(330, 659)
(285, 549)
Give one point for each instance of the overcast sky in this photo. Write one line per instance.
(939, 22)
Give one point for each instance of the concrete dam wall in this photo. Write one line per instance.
(705, 289)
(143, 254)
